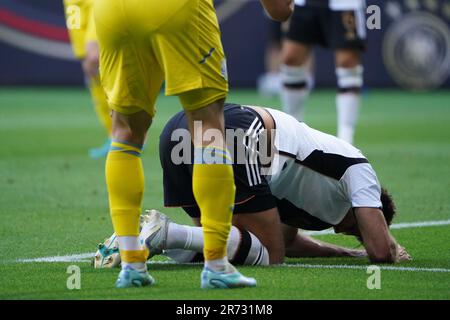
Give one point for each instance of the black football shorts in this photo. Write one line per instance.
(315, 25)
(252, 190)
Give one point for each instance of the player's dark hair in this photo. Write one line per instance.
(389, 208)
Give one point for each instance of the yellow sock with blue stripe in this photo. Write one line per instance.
(125, 182)
(214, 191)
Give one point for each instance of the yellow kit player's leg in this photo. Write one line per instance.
(214, 191)
(142, 43)
(213, 187)
(131, 78)
(125, 182)
(101, 104)
(200, 80)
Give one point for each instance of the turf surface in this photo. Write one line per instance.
(53, 199)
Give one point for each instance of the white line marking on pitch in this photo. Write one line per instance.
(85, 257)
(405, 225)
(332, 266)
(69, 258)
(347, 266)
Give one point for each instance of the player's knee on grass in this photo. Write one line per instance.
(266, 227)
(243, 247)
(248, 250)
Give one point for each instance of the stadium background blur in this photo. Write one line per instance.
(411, 49)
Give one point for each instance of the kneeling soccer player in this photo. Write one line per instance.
(315, 182)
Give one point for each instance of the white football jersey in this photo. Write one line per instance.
(319, 173)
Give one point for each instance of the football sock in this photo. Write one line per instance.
(347, 105)
(294, 90)
(214, 191)
(131, 252)
(350, 81)
(100, 104)
(243, 247)
(184, 256)
(125, 183)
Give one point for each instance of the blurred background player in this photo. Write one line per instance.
(269, 83)
(85, 48)
(340, 26)
(142, 44)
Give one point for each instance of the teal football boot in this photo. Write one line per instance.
(225, 280)
(102, 151)
(128, 278)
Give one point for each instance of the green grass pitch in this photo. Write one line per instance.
(53, 200)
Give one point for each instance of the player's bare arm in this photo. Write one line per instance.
(279, 10)
(380, 245)
(300, 245)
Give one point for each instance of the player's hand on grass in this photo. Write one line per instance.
(402, 254)
(90, 62)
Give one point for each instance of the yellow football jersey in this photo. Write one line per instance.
(146, 42)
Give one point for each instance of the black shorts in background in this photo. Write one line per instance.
(275, 33)
(315, 25)
(252, 190)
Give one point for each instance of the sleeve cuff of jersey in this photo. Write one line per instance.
(374, 204)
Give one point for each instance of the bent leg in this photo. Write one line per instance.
(266, 226)
(243, 247)
(212, 178)
(125, 182)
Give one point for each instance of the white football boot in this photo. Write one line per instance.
(154, 231)
(107, 255)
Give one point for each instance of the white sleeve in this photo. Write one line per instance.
(361, 185)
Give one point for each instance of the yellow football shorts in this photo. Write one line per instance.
(84, 32)
(146, 42)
